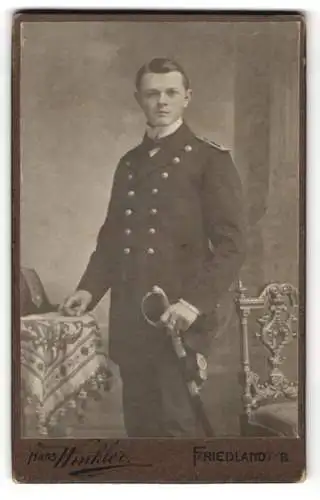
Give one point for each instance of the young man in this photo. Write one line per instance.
(175, 221)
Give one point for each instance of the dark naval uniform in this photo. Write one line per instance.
(174, 220)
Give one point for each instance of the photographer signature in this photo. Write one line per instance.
(91, 459)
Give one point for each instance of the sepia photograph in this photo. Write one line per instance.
(160, 239)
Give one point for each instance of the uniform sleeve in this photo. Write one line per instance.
(98, 275)
(223, 213)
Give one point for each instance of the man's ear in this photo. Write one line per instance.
(187, 97)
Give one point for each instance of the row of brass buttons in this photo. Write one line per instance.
(150, 251)
(128, 231)
(132, 193)
(164, 175)
(153, 211)
(151, 230)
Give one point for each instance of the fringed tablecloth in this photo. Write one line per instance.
(63, 363)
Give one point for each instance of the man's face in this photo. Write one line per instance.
(163, 97)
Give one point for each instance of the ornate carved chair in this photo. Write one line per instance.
(269, 329)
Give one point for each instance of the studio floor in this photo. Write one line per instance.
(104, 418)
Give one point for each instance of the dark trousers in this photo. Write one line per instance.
(155, 398)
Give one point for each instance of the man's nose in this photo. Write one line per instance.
(162, 98)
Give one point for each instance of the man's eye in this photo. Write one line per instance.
(152, 94)
(171, 92)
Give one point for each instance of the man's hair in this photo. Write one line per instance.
(161, 65)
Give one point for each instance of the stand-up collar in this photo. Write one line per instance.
(173, 141)
(157, 133)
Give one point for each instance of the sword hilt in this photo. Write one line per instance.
(177, 342)
(156, 290)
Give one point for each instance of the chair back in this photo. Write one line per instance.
(268, 325)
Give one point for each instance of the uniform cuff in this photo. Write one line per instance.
(192, 308)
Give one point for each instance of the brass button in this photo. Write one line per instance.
(126, 250)
(130, 177)
(150, 251)
(164, 175)
(176, 160)
(155, 191)
(152, 230)
(131, 193)
(128, 163)
(128, 211)
(188, 148)
(128, 231)
(153, 211)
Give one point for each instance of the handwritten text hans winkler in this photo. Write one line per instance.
(90, 459)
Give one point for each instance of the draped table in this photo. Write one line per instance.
(63, 365)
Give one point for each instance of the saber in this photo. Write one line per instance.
(193, 386)
(175, 337)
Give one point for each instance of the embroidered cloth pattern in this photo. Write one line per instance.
(63, 362)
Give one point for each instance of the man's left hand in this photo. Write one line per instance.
(179, 316)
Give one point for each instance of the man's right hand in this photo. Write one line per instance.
(76, 304)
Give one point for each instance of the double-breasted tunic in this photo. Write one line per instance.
(175, 219)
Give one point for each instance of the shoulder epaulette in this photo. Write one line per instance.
(213, 144)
